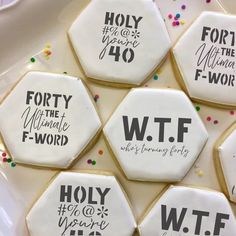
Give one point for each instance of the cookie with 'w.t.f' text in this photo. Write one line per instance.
(188, 211)
(155, 134)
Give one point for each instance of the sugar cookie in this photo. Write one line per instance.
(225, 160)
(120, 41)
(48, 120)
(82, 204)
(204, 59)
(189, 211)
(155, 134)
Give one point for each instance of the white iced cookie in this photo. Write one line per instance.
(155, 134)
(204, 58)
(120, 41)
(48, 120)
(189, 211)
(82, 204)
(225, 160)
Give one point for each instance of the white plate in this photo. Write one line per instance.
(24, 30)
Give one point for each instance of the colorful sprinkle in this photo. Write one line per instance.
(48, 45)
(65, 73)
(177, 15)
(94, 162)
(4, 159)
(170, 16)
(9, 160)
(183, 7)
(208, 118)
(182, 22)
(4, 154)
(174, 23)
(198, 108)
(155, 77)
(32, 59)
(232, 113)
(96, 97)
(177, 22)
(13, 164)
(100, 152)
(216, 122)
(89, 161)
(200, 173)
(208, 1)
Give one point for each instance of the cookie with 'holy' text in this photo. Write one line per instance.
(120, 42)
(155, 134)
(48, 120)
(188, 211)
(225, 160)
(204, 59)
(80, 204)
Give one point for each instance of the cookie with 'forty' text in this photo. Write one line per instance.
(204, 59)
(155, 134)
(225, 161)
(48, 120)
(188, 211)
(120, 42)
(80, 204)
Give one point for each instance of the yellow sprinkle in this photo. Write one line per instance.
(48, 45)
(182, 22)
(200, 173)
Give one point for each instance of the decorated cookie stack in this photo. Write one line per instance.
(155, 134)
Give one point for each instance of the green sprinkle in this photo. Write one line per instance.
(65, 73)
(198, 108)
(13, 164)
(155, 77)
(9, 160)
(32, 59)
(94, 163)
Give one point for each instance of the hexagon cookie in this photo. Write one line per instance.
(82, 204)
(225, 161)
(120, 41)
(155, 134)
(48, 120)
(189, 211)
(204, 59)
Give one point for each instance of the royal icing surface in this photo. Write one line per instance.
(205, 55)
(227, 157)
(120, 41)
(191, 212)
(48, 119)
(82, 204)
(155, 134)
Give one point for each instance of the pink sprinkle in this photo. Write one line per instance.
(4, 154)
(208, 1)
(170, 16)
(174, 23)
(231, 113)
(208, 118)
(176, 18)
(4, 159)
